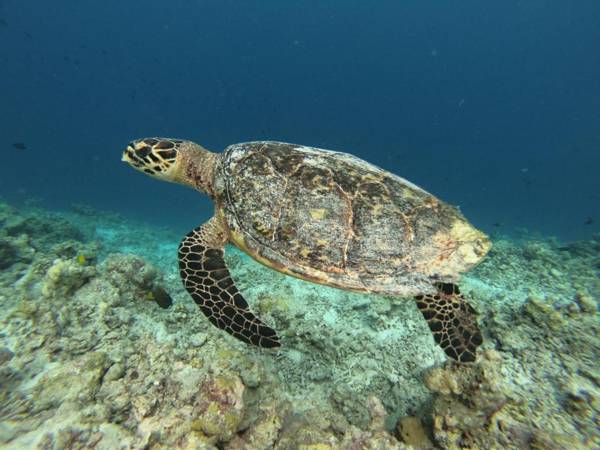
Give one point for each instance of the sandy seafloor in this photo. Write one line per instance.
(88, 359)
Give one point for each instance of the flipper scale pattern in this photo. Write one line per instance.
(207, 279)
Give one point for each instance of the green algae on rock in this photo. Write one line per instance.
(64, 277)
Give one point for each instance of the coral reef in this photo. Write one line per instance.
(90, 358)
(478, 406)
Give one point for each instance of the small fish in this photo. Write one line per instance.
(161, 297)
(19, 145)
(589, 221)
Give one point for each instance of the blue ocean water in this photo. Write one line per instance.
(491, 106)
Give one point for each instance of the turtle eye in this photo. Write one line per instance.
(168, 154)
(143, 152)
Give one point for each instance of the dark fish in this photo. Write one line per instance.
(161, 297)
(19, 145)
(589, 221)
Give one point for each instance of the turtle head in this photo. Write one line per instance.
(157, 157)
(173, 160)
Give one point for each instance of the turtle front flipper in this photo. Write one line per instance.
(452, 321)
(207, 279)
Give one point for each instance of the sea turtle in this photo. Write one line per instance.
(322, 216)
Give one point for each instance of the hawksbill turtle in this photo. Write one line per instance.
(323, 216)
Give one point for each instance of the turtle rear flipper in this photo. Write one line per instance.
(207, 279)
(452, 321)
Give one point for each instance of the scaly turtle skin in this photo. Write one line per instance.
(322, 216)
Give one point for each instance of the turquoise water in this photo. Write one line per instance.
(492, 108)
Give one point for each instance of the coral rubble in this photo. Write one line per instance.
(90, 357)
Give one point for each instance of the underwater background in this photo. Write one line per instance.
(491, 106)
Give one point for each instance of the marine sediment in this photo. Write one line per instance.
(92, 353)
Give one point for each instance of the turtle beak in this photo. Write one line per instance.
(129, 157)
(129, 154)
